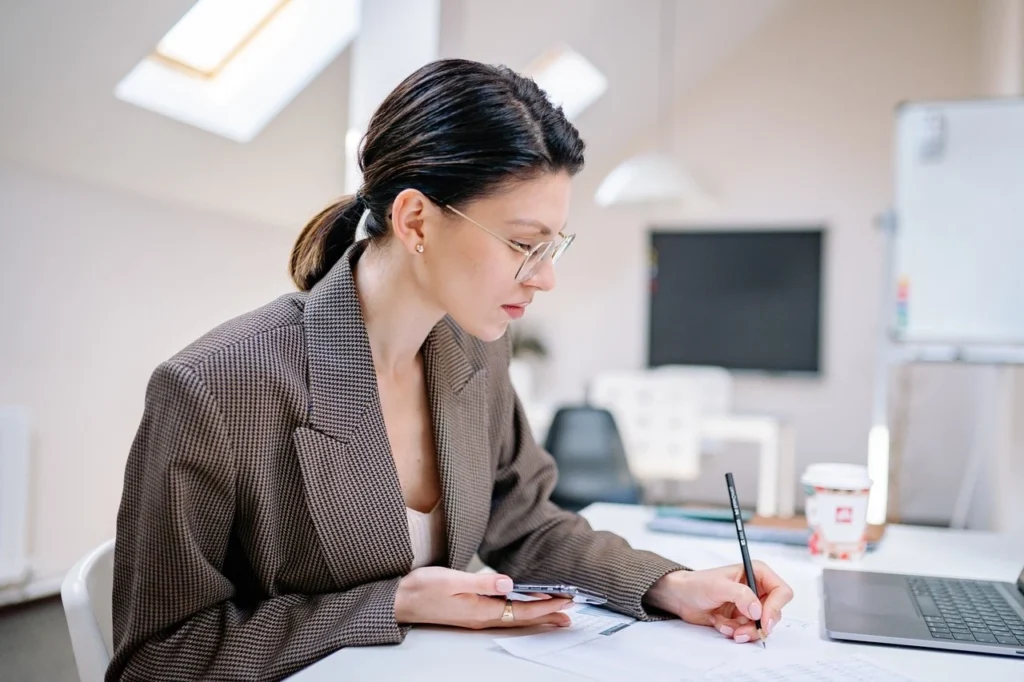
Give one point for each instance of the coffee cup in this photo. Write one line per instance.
(837, 510)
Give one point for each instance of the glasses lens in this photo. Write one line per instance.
(560, 249)
(533, 260)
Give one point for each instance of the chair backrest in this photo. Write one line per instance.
(712, 385)
(592, 465)
(658, 413)
(86, 594)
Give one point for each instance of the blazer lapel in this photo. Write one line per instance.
(457, 392)
(355, 496)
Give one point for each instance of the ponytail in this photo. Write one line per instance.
(323, 241)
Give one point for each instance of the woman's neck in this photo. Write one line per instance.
(397, 316)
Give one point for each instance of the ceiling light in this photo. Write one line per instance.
(648, 178)
(569, 80)
(229, 67)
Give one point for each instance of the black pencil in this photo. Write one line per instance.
(747, 566)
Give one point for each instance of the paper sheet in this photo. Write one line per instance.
(599, 647)
(588, 622)
(673, 651)
(849, 669)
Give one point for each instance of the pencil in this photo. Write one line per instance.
(742, 536)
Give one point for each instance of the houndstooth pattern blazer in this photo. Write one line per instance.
(262, 524)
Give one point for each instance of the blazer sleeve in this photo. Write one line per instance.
(175, 615)
(530, 538)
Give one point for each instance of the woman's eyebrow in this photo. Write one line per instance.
(544, 229)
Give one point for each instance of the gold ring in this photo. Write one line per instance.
(507, 616)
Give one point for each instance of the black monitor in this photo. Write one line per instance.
(739, 299)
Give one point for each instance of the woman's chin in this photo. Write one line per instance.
(486, 332)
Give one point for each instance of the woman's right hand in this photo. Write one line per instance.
(442, 596)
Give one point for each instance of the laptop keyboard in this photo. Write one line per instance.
(967, 611)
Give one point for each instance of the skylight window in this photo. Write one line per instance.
(230, 66)
(569, 79)
(214, 31)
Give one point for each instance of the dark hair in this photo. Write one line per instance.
(457, 131)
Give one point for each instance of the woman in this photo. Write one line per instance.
(318, 473)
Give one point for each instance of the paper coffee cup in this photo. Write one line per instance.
(837, 510)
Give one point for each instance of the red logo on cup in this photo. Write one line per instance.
(844, 514)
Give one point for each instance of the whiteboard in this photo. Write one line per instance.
(959, 235)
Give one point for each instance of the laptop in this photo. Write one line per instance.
(911, 610)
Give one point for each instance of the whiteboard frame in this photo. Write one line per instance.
(953, 349)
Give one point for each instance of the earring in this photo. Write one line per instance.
(419, 248)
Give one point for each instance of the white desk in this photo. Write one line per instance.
(446, 654)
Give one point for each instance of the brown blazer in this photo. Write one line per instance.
(262, 524)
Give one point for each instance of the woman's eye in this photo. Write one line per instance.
(521, 245)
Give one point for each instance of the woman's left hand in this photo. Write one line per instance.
(720, 598)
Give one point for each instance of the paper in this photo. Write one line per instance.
(652, 652)
(588, 622)
(851, 669)
(601, 648)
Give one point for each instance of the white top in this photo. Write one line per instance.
(426, 533)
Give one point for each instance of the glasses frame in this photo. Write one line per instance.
(542, 248)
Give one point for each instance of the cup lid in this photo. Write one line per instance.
(835, 475)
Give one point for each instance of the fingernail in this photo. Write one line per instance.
(755, 610)
(742, 639)
(726, 630)
(504, 585)
(566, 605)
(771, 625)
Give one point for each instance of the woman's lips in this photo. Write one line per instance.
(514, 311)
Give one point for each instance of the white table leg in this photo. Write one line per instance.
(768, 473)
(787, 470)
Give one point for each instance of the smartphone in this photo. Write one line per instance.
(578, 595)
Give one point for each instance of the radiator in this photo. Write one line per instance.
(14, 472)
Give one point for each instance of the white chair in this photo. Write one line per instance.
(658, 415)
(670, 416)
(86, 594)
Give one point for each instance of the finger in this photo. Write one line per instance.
(727, 591)
(489, 611)
(775, 593)
(746, 633)
(530, 610)
(560, 619)
(730, 626)
(494, 584)
(727, 626)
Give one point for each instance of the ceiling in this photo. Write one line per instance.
(63, 59)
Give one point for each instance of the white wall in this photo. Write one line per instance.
(1002, 47)
(796, 128)
(1002, 35)
(96, 288)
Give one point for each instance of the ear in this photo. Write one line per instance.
(409, 216)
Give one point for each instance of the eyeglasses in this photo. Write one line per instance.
(532, 256)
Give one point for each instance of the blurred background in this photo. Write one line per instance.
(139, 209)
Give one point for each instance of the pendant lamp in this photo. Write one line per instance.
(655, 176)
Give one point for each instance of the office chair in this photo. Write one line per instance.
(86, 594)
(591, 461)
